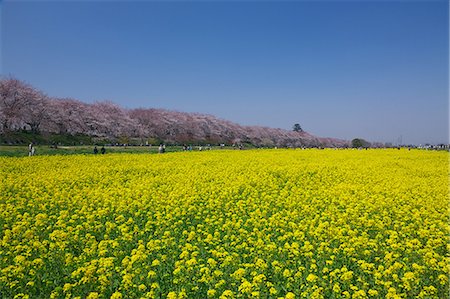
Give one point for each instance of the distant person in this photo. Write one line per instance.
(95, 150)
(103, 150)
(31, 149)
(161, 149)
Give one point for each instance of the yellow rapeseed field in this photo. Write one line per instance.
(226, 224)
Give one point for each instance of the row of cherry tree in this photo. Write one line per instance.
(23, 107)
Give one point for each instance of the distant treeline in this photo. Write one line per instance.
(26, 110)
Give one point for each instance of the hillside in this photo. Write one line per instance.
(23, 108)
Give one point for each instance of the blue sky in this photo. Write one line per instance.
(371, 69)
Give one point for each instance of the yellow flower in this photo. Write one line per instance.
(142, 287)
(443, 279)
(290, 295)
(116, 295)
(373, 293)
(311, 278)
(92, 295)
(227, 294)
(211, 293)
(346, 276)
(245, 287)
(155, 263)
(172, 295)
(238, 274)
(359, 294)
(336, 288)
(256, 222)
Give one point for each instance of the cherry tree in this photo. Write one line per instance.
(15, 97)
(22, 106)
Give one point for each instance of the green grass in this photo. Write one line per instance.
(46, 150)
(26, 137)
(22, 151)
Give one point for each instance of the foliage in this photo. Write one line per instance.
(297, 128)
(24, 108)
(359, 142)
(26, 137)
(226, 224)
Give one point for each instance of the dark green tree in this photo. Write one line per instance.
(359, 142)
(297, 128)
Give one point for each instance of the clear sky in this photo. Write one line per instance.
(371, 69)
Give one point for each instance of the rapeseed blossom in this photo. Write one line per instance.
(226, 224)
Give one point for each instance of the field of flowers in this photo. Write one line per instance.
(226, 224)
